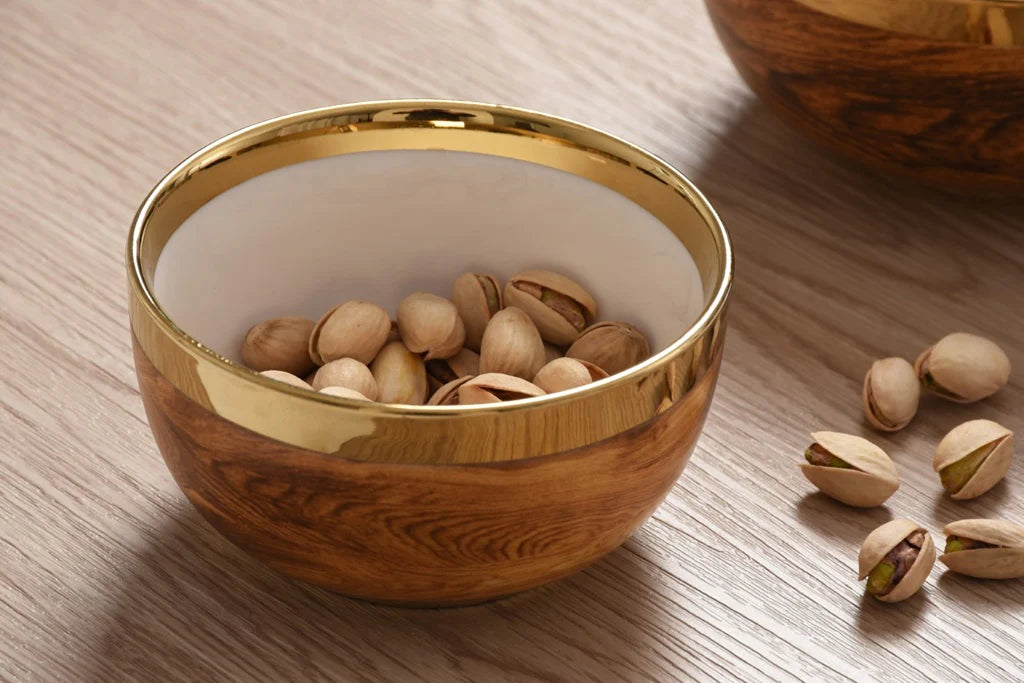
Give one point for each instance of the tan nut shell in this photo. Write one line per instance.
(430, 324)
(400, 374)
(561, 374)
(1004, 562)
(883, 539)
(286, 377)
(279, 344)
(448, 394)
(354, 329)
(512, 345)
(892, 392)
(348, 373)
(465, 362)
(871, 483)
(968, 366)
(611, 346)
(344, 392)
(552, 326)
(968, 437)
(480, 389)
(470, 300)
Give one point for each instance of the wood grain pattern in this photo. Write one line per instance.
(947, 113)
(743, 573)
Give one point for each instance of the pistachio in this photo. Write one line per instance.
(443, 370)
(985, 548)
(286, 377)
(963, 367)
(354, 329)
(896, 558)
(561, 374)
(344, 392)
(448, 395)
(430, 324)
(558, 306)
(973, 457)
(400, 375)
(477, 298)
(612, 346)
(850, 469)
(552, 352)
(495, 387)
(511, 345)
(348, 373)
(279, 344)
(891, 394)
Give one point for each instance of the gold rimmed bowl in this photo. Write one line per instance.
(426, 505)
(929, 89)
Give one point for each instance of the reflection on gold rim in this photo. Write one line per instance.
(438, 434)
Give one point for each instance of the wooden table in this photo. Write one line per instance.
(107, 573)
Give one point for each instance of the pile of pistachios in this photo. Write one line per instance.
(897, 557)
(540, 335)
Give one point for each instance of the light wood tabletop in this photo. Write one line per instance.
(108, 574)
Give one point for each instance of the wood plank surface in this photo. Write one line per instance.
(107, 574)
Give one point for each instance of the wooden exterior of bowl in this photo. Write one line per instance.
(420, 534)
(938, 110)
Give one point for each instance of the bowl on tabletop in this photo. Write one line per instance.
(421, 505)
(930, 89)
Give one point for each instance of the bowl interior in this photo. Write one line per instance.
(378, 225)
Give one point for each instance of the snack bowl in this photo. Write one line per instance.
(421, 505)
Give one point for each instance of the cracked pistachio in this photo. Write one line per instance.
(400, 375)
(344, 392)
(891, 394)
(286, 377)
(611, 346)
(448, 394)
(896, 558)
(495, 387)
(567, 373)
(963, 367)
(558, 306)
(477, 298)
(985, 548)
(850, 469)
(348, 373)
(973, 457)
(512, 345)
(279, 344)
(443, 370)
(354, 329)
(430, 324)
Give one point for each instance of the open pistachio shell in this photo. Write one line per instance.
(495, 387)
(561, 374)
(279, 344)
(963, 367)
(883, 539)
(354, 329)
(891, 394)
(430, 324)
(512, 345)
(870, 479)
(443, 370)
(476, 297)
(1004, 561)
(349, 373)
(559, 306)
(448, 394)
(611, 346)
(287, 378)
(400, 375)
(344, 392)
(973, 457)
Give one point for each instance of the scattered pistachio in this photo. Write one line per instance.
(400, 375)
(963, 367)
(985, 548)
(430, 324)
(561, 374)
(850, 469)
(891, 394)
(973, 457)
(348, 373)
(896, 558)
(511, 345)
(354, 329)
(611, 346)
(558, 306)
(279, 344)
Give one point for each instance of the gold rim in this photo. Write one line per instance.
(390, 432)
(996, 23)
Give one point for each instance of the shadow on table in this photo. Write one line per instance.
(878, 618)
(832, 519)
(194, 607)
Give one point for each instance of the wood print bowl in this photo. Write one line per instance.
(930, 89)
(414, 504)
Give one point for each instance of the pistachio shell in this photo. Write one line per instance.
(448, 395)
(967, 439)
(559, 306)
(354, 329)
(612, 346)
(1006, 561)
(476, 297)
(279, 344)
(348, 373)
(561, 374)
(344, 392)
(964, 367)
(871, 481)
(400, 374)
(495, 387)
(596, 373)
(430, 324)
(511, 345)
(443, 370)
(891, 394)
(883, 539)
(286, 377)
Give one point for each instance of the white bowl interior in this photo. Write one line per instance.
(380, 225)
